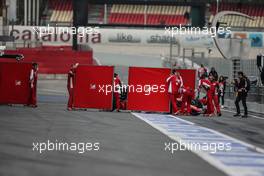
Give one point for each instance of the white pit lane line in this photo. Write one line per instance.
(243, 159)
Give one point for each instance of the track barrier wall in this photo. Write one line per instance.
(14, 82)
(53, 60)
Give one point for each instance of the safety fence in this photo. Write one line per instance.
(256, 94)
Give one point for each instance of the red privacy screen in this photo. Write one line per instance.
(153, 96)
(92, 88)
(188, 77)
(14, 82)
(153, 79)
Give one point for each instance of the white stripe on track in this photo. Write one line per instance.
(242, 160)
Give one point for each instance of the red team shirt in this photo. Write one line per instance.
(174, 84)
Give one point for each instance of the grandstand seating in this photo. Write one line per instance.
(61, 11)
(155, 15)
(236, 21)
(125, 14)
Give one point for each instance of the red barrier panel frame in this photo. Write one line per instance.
(14, 82)
(188, 77)
(156, 102)
(88, 83)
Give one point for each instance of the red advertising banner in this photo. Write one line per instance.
(93, 87)
(14, 83)
(147, 89)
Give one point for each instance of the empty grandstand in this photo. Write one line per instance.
(156, 13)
(255, 11)
(138, 14)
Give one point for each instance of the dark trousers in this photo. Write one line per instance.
(70, 100)
(221, 99)
(241, 96)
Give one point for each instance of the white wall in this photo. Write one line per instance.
(130, 36)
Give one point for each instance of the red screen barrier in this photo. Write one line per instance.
(155, 77)
(53, 60)
(188, 77)
(155, 101)
(14, 83)
(90, 87)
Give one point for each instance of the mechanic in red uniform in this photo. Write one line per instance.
(33, 86)
(70, 85)
(174, 82)
(214, 92)
(206, 85)
(117, 91)
(187, 97)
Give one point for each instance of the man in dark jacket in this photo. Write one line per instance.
(214, 73)
(241, 94)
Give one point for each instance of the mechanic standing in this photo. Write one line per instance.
(174, 82)
(117, 91)
(214, 88)
(70, 85)
(242, 89)
(205, 84)
(33, 86)
(221, 92)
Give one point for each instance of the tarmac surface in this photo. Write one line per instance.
(127, 145)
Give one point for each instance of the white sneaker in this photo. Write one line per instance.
(222, 107)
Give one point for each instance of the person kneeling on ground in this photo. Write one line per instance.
(187, 97)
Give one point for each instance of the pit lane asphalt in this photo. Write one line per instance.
(128, 146)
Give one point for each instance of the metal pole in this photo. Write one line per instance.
(105, 14)
(171, 66)
(25, 12)
(29, 12)
(145, 14)
(34, 12)
(37, 15)
(217, 6)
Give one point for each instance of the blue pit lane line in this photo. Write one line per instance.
(240, 158)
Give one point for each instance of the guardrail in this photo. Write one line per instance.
(256, 94)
